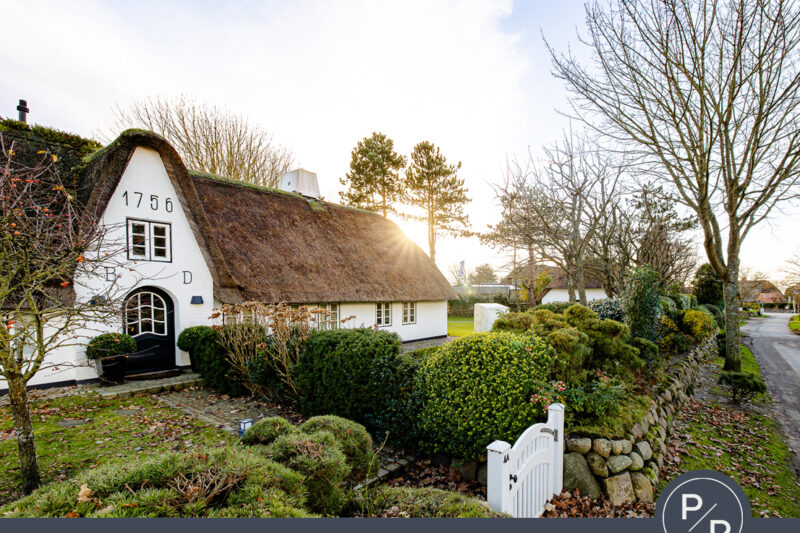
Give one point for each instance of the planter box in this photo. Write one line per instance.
(112, 370)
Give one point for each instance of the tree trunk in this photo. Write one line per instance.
(581, 283)
(23, 426)
(730, 290)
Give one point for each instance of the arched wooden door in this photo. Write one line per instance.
(149, 316)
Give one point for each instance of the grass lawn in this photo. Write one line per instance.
(460, 326)
(118, 430)
(747, 447)
(794, 324)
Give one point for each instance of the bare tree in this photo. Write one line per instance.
(209, 138)
(561, 202)
(48, 244)
(706, 93)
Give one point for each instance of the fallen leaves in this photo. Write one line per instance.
(573, 505)
(85, 494)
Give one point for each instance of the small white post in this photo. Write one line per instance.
(555, 419)
(497, 475)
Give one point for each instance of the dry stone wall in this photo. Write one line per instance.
(627, 469)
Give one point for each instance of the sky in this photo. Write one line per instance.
(473, 77)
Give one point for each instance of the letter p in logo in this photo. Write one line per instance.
(685, 508)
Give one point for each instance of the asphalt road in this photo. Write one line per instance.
(777, 351)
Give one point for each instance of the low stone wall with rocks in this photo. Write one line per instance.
(627, 469)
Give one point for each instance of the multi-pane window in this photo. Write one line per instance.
(149, 241)
(145, 312)
(383, 314)
(409, 312)
(328, 318)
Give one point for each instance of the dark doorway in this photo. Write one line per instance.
(149, 316)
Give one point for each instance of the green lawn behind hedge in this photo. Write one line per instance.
(460, 326)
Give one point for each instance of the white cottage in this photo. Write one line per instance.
(196, 241)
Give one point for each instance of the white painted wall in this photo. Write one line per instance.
(562, 295)
(431, 319)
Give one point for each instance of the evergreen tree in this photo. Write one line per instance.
(708, 286)
(483, 275)
(373, 181)
(433, 188)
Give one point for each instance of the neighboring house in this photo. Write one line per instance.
(760, 291)
(556, 290)
(490, 290)
(196, 241)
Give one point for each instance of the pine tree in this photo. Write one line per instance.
(708, 286)
(373, 181)
(432, 187)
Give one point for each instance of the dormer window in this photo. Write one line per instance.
(149, 241)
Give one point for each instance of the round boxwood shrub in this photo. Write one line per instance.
(515, 322)
(481, 388)
(342, 372)
(323, 463)
(699, 325)
(266, 430)
(109, 344)
(352, 437)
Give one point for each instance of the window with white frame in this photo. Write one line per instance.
(383, 314)
(328, 318)
(149, 241)
(409, 312)
(145, 312)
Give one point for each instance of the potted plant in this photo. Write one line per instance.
(111, 351)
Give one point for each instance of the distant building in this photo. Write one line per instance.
(760, 291)
(556, 290)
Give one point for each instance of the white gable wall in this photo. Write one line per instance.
(562, 295)
(187, 273)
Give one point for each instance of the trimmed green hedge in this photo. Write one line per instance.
(344, 372)
(480, 388)
(210, 360)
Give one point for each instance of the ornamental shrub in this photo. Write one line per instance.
(640, 300)
(397, 421)
(209, 359)
(266, 430)
(648, 350)
(668, 307)
(599, 398)
(480, 388)
(716, 312)
(708, 286)
(345, 372)
(353, 439)
(321, 461)
(175, 484)
(741, 386)
(556, 307)
(699, 325)
(608, 308)
(515, 322)
(109, 344)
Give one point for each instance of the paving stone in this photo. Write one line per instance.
(67, 423)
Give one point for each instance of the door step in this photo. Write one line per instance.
(160, 374)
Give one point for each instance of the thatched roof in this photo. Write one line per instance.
(760, 290)
(273, 246)
(557, 273)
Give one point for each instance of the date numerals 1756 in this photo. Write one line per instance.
(136, 198)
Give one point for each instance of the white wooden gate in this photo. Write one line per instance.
(523, 477)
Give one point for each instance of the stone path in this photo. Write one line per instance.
(777, 351)
(148, 386)
(416, 345)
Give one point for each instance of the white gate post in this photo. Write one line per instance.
(555, 415)
(497, 473)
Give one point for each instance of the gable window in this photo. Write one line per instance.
(383, 314)
(409, 312)
(328, 318)
(149, 241)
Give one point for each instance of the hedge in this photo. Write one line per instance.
(209, 359)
